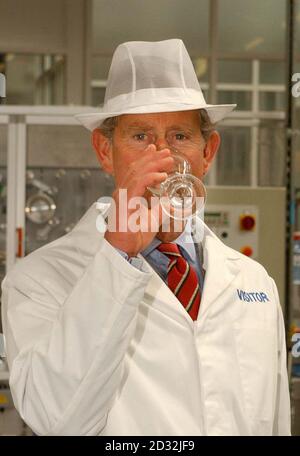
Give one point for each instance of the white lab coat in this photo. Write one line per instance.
(98, 347)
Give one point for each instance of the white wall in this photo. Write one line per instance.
(33, 26)
(54, 27)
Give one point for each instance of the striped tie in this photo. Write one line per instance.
(182, 279)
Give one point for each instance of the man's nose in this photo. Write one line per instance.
(162, 143)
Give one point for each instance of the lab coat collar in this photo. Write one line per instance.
(222, 265)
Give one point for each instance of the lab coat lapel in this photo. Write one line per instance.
(221, 265)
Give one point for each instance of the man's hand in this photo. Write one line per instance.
(149, 170)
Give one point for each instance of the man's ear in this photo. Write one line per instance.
(210, 150)
(103, 148)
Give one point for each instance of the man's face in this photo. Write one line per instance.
(132, 137)
(134, 132)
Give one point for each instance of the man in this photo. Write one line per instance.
(142, 332)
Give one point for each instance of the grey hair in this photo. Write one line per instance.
(206, 126)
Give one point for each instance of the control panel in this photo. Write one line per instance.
(236, 225)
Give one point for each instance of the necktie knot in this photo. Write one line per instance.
(168, 248)
(175, 258)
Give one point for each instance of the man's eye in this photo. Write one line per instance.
(180, 136)
(140, 136)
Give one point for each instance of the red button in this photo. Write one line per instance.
(247, 222)
(247, 250)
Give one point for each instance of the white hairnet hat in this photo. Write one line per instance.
(150, 77)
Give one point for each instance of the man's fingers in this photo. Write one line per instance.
(139, 170)
(139, 187)
(150, 160)
(151, 149)
(164, 164)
